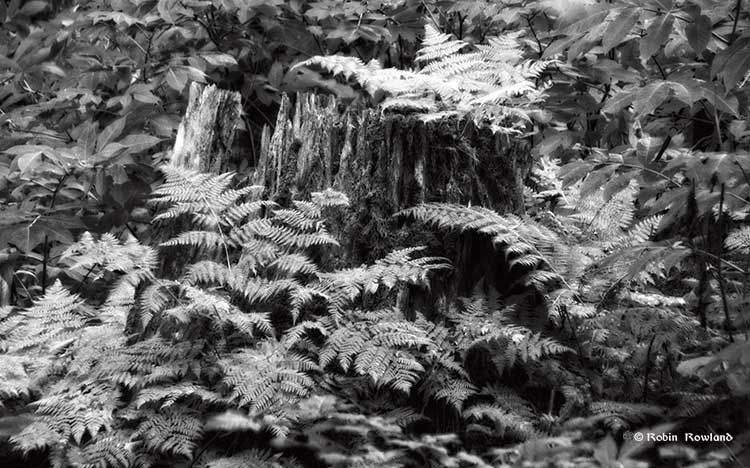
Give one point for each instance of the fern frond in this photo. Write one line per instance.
(506, 229)
(738, 240)
(104, 452)
(48, 322)
(15, 382)
(136, 261)
(174, 430)
(329, 198)
(502, 420)
(348, 67)
(376, 345)
(246, 459)
(283, 236)
(437, 46)
(293, 264)
(165, 396)
(267, 378)
(208, 240)
(78, 410)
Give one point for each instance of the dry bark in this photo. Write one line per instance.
(204, 142)
(388, 162)
(204, 138)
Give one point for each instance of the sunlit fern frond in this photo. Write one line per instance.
(200, 192)
(503, 49)
(108, 253)
(281, 235)
(161, 397)
(377, 344)
(738, 241)
(343, 287)
(175, 430)
(54, 318)
(268, 377)
(76, 410)
(110, 451)
(348, 67)
(328, 198)
(149, 362)
(437, 46)
(597, 214)
(504, 229)
(293, 264)
(15, 381)
(201, 303)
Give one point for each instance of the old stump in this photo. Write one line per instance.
(388, 162)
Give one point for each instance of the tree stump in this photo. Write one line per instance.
(205, 135)
(385, 163)
(204, 142)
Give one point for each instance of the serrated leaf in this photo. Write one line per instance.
(619, 28)
(657, 34)
(699, 33)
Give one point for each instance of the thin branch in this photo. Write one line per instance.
(737, 11)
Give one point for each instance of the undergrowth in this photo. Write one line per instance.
(254, 354)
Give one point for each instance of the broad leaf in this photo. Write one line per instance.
(657, 34)
(620, 28)
(219, 60)
(732, 63)
(699, 33)
(110, 132)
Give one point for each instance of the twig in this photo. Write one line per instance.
(737, 10)
(719, 276)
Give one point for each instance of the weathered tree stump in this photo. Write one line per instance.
(388, 162)
(204, 142)
(205, 135)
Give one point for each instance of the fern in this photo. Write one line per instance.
(502, 421)
(437, 46)
(52, 320)
(248, 459)
(376, 344)
(104, 452)
(266, 378)
(491, 83)
(738, 240)
(172, 430)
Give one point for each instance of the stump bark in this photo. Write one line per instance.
(388, 162)
(205, 135)
(204, 143)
